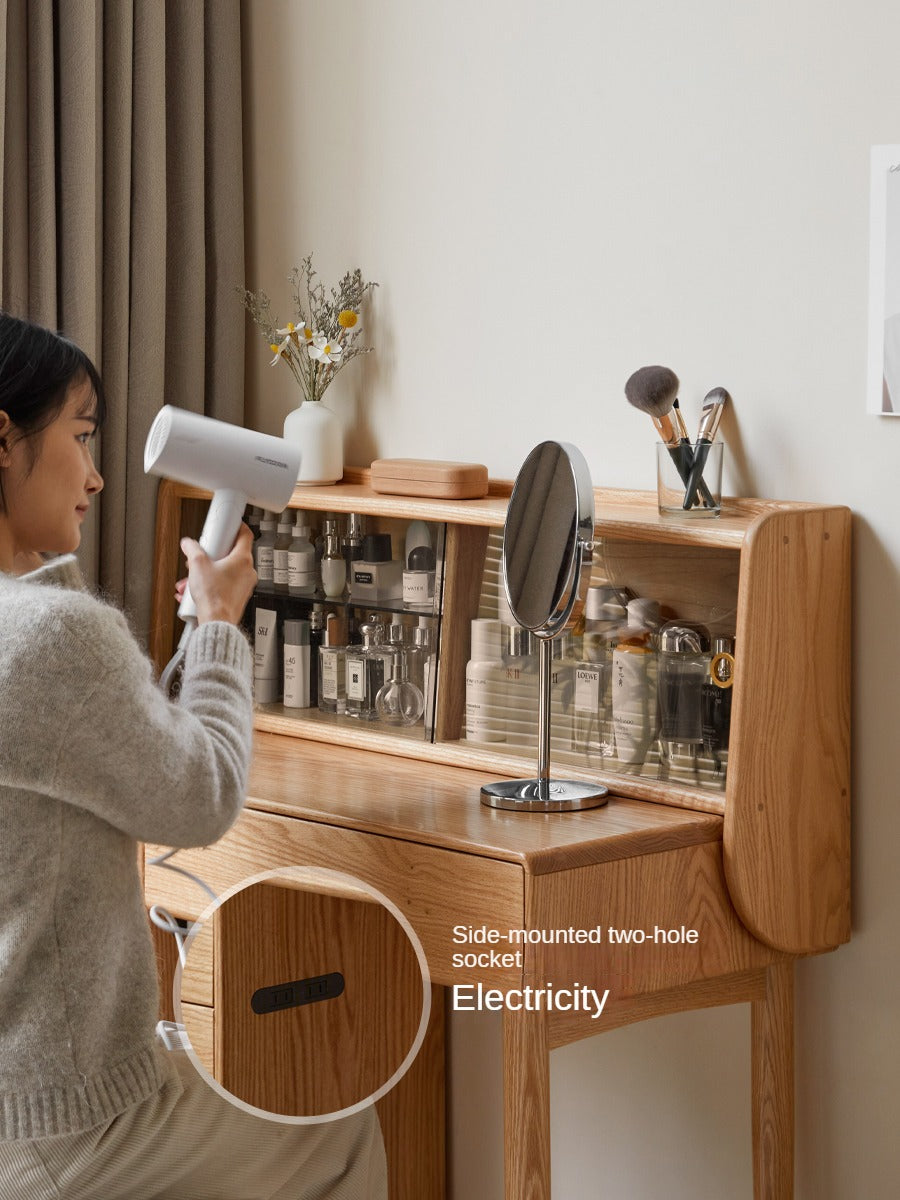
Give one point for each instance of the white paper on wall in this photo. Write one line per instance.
(883, 389)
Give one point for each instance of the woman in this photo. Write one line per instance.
(93, 759)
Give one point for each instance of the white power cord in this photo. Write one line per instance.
(161, 917)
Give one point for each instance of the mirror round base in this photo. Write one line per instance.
(537, 795)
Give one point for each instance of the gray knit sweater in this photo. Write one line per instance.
(93, 759)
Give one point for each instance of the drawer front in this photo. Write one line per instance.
(198, 1022)
(436, 890)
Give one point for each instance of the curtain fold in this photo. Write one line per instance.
(122, 226)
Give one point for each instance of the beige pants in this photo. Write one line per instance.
(188, 1143)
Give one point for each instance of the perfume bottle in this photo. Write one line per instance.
(634, 683)
(399, 701)
(683, 667)
(334, 567)
(604, 616)
(418, 578)
(716, 699)
(366, 671)
(332, 668)
(420, 662)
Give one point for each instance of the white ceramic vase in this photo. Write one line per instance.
(317, 431)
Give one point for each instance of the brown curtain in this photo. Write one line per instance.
(122, 226)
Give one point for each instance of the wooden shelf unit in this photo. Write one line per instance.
(786, 804)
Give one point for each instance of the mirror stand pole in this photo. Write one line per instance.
(545, 659)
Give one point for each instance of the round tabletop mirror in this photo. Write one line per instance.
(547, 548)
(547, 538)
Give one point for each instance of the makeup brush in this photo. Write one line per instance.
(713, 406)
(654, 391)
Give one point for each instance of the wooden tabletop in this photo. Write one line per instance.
(438, 805)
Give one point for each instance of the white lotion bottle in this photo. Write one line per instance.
(283, 536)
(485, 680)
(333, 565)
(634, 703)
(302, 565)
(264, 550)
(266, 674)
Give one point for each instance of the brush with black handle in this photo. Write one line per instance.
(713, 406)
(654, 391)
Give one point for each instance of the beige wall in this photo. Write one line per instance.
(552, 195)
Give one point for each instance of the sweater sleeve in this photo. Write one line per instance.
(96, 731)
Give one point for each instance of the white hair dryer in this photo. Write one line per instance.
(239, 466)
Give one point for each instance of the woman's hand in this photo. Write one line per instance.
(220, 588)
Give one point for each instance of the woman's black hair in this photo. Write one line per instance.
(37, 368)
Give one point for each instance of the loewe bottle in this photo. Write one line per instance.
(592, 732)
(634, 683)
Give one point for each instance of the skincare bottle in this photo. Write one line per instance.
(367, 669)
(352, 542)
(266, 673)
(485, 683)
(418, 578)
(716, 699)
(519, 692)
(318, 618)
(264, 549)
(634, 683)
(332, 670)
(334, 568)
(296, 664)
(683, 667)
(302, 574)
(377, 577)
(399, 701)
(283, 536)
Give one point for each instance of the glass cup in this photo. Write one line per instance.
(689, 480)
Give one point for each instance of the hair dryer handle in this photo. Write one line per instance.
(220, 529)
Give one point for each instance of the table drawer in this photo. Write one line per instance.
(435, 889)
